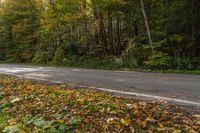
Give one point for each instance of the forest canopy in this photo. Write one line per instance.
(155, 34)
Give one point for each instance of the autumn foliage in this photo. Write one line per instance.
(26, 106)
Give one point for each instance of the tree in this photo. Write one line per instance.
(84, 31)
(146, 23)
(21, 21)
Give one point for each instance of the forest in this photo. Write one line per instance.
(114, 34)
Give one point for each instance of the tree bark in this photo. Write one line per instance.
(192, 20)
(136, 29)
(99, 17)
(1, 47)
(86, 24)
(129, 25)
(146, 24)
(118, 28)
(110, 31)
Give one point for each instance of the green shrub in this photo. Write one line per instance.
(119, 62)
(40, 57)
(132, 56)
(59, 56)
(158, 60)
(196, 63)
(184, 63)
(176, 38)
(66, 61)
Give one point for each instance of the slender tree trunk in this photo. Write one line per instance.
(1, 47)
(192, 20)
(129, 25)
(110, 31)
(146, 24)
(99, 17)
(86, 24)
(136, 29)
(165, 17)
(118, 34)
(96, 36)
(114, 36)
(103, 32)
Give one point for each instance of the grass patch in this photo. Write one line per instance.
(44, 108)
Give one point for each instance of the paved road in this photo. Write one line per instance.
(176, 87)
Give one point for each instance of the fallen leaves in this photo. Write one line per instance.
(39, 107)
(15, 100)
(124, 122)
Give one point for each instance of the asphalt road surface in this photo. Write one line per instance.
(181, 88)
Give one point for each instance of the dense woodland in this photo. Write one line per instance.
(149, 34)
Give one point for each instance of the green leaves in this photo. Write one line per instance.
(3, 120)
(1, 94)
(56, 125)
(11, 129)
(95, 33)
(74, 121)
(37, 121)
(21, 21)
(4, 106)
(158, 60)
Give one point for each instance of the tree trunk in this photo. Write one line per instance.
(136, 29)
(192, 20)
(1, 47)
(110, 31)
(129, 25)
(96, 37)
(86, 24)
(118, 28)
(165, 17)
(99, 17)
(146, 24)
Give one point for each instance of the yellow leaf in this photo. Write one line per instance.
(47, 127)
(118, 126)
(60, 121)
(177, 131)
(77, 131)
(124, 122)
